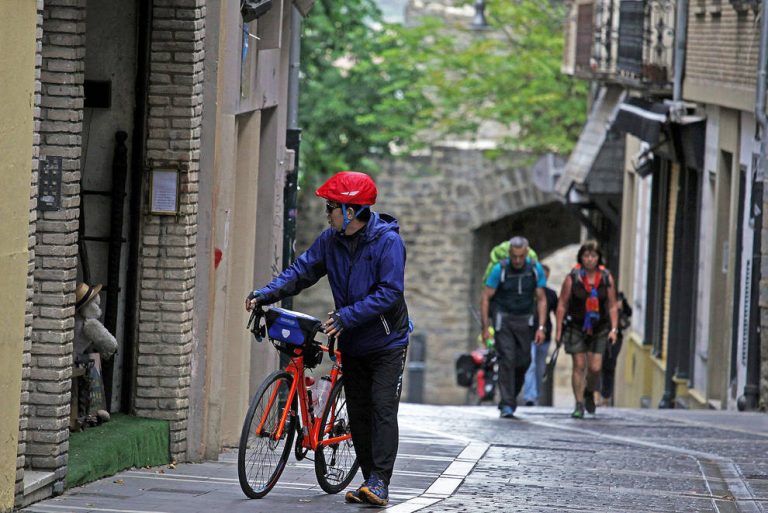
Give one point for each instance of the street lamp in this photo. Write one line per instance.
(479, 22)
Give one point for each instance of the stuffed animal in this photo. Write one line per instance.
(90, 334)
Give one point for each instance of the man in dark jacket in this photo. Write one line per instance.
(364, 258)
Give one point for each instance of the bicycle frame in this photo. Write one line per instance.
(311, 419)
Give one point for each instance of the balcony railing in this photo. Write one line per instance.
(627, 41)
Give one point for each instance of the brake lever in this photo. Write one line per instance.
(332, 348)
(254, 322)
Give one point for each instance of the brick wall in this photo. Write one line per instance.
(61, 114)
(168, 243)
(721, 48)
(27, 355)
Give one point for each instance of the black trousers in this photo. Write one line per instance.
(610, 358)
(514, 334)
(372, 384)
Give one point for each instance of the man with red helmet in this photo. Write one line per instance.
(364, 258)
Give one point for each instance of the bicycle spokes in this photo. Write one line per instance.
(335, 458)
(267, 436)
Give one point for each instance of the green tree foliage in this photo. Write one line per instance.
(357, 100)
(370, 88)
(510, 74)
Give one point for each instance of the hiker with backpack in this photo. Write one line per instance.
(587, 321)
(515, 290)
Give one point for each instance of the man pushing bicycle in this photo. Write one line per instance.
(363, 256)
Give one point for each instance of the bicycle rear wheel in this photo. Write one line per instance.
(336, 463)
(261, 457)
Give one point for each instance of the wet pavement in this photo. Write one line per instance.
(467, 459)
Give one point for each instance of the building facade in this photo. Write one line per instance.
(684, 78)
(156, 133)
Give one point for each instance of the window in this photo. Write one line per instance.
(631, 21)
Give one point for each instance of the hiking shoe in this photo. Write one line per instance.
(375, 491)
(353, 496)
(507, 412)
(589, 401)
(578, 412)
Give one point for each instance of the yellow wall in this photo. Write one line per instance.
(17, 46)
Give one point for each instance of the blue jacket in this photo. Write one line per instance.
(367, 286)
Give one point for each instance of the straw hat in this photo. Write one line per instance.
(84, 294)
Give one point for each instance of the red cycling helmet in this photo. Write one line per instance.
(349, 187)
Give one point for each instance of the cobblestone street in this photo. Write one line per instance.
(466, 459)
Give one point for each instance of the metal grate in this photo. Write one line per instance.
(631, 21)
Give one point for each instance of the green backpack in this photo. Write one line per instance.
(499, 253)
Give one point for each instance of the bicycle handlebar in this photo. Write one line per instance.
(259, 331)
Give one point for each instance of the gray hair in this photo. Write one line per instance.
(518, 242)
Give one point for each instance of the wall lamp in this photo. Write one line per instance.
(252, 9)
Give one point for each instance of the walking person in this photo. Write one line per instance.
(532, 387)
(587, 320)
(611, 356)
(363, 256)
(515, 286)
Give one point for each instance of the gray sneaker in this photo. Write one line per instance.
(578, 412)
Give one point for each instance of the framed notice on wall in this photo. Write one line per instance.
(164, 192)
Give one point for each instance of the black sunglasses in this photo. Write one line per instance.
(330, 207)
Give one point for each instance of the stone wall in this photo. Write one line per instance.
(168, 242)
(55, 246)
(442, 201)
(722, 45)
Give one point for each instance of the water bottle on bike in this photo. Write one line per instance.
(320, 394)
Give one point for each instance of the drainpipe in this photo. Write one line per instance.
(751, 398)
(677, 110)
(681, 39)
(292, 142)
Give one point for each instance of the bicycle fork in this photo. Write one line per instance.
(286, 410)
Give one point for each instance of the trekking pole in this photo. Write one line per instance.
(551, 364)
(475, 315)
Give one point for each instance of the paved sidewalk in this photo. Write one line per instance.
(213, 486)
(467, 459)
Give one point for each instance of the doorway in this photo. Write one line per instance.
(720, 316)
(106, 191)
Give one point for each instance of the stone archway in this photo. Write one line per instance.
(548, 227)
(448, 203)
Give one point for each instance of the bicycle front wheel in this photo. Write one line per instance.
(335, 460)
(262, 453)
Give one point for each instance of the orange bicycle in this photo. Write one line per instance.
(283, 406)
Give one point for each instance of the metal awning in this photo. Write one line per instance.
(592, 139)
(643, 119)
(672, 130)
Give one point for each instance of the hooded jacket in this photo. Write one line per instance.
(367, 285)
